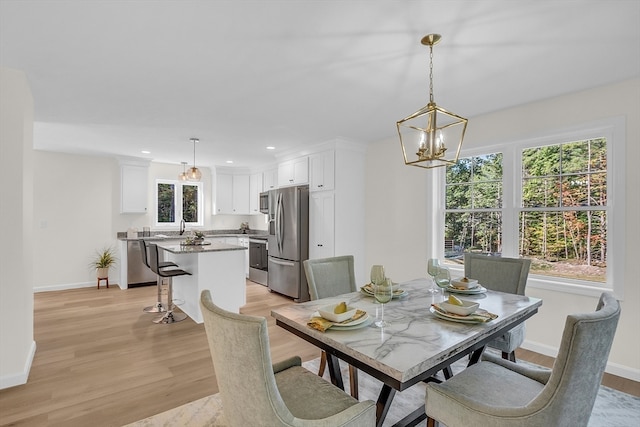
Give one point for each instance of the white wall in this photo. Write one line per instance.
(17, 345)
(397, 219)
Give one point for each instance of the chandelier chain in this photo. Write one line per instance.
(431, 74)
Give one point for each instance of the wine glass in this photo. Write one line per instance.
(377, 277)
(443, 278)
(383, 294)
(433, 266)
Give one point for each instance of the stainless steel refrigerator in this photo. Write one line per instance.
(289, 242)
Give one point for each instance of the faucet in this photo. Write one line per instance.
(182, 226)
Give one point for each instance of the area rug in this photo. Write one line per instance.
(612, 408)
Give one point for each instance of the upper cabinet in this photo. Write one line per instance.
(270, 179)
(133, 188)
(232, 194)
(255, 188)
(293, 172)
(321, 171)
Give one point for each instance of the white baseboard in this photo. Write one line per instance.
(612, 368)
(20, 378)
(64, 286)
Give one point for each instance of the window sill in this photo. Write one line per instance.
(551, 284)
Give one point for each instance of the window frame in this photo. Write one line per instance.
(613, 129)
(178, 203)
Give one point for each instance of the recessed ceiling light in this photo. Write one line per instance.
(146, 152)
(271, 148)
(229, 161)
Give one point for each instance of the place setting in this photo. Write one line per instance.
(462, 311)
(338, 317)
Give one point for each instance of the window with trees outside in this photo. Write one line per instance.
(178, 200)
(544, 200)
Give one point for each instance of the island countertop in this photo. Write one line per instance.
(208, 247)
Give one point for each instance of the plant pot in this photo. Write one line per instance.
(102, 273)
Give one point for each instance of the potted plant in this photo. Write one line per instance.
(199, 239)
(103, 261)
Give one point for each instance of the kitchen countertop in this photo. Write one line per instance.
(212, 247)
(174, 235)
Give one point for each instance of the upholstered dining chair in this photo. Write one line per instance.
(503, 275)
(328, 277)
(500, 393)
(256, 393)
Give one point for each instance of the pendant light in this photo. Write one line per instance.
(183, 176)
(431, 131)
(194, 174)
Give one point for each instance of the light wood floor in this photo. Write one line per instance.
(100, 361)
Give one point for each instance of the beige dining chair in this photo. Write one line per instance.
(328, 277)
(256, 392)
(504, 275)
(500, 393)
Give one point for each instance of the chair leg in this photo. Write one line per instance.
(323, 363)
(170, 317)
(509, 356)
(158, 307)
(353, 381)
(431, 422)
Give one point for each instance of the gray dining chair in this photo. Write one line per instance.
(504, 275)
(500, 393)
(328, 277)
(255, 392)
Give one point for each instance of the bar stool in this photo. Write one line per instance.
(158, 307)
(169, 316)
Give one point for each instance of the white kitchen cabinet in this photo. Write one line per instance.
(224, 194)
(232, 194)
(244, 241)
(321, 225)
(293, 172)
(133, 188)
(321, 171)
(241, 194)
(270, 179)
(255, 188)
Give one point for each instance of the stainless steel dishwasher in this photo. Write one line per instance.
(138, 274)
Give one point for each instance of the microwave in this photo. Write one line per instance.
(264, 202)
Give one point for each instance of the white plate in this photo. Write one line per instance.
(359, 323)
(398, 293)
(452, 318)
(477, 290)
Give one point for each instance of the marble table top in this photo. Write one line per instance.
(416, 340)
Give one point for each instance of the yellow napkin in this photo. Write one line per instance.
(321, 324)
(480, 315)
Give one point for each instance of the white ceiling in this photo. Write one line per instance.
(117, 77)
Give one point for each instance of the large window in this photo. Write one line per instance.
(176, 201)
(548, 199)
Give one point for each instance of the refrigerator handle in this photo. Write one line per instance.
(280, 222)
(285, 263)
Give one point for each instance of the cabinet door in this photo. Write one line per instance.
(321, 171)
(241, 194)
(301, 171)
(285, 174)
(293, 172)
(255, 188)
(133, 189)
(321, 225)
(224, 194)
(270, 180)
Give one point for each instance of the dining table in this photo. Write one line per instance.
(417, 343)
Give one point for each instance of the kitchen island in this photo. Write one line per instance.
(218, 267)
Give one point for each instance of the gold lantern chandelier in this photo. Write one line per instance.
(431, 131)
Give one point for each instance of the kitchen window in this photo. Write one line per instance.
(176, 201)
(550, 199)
